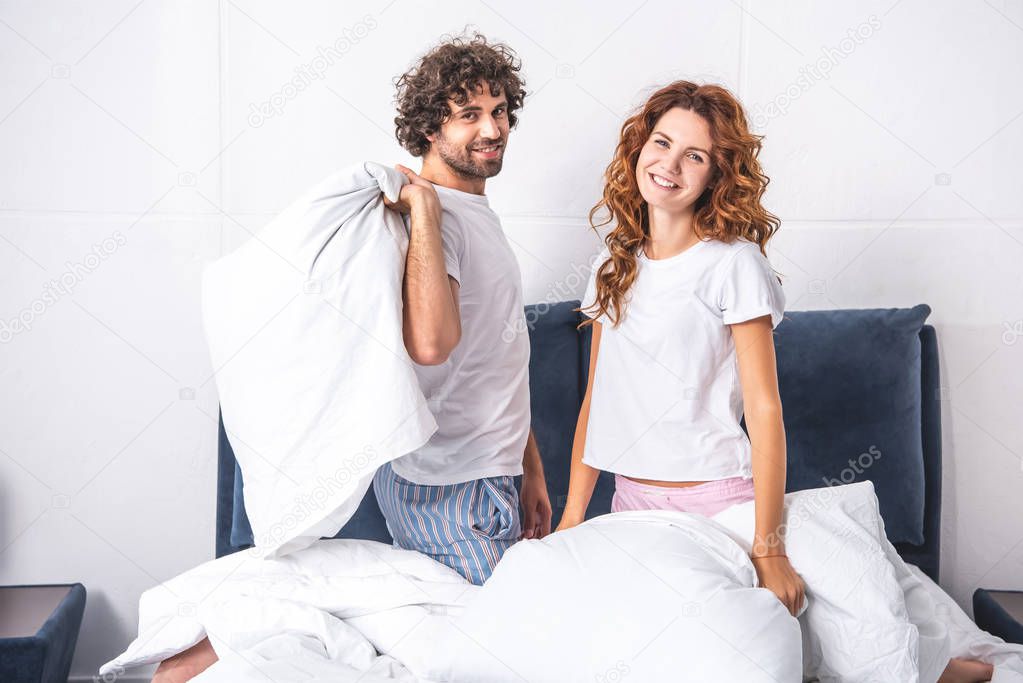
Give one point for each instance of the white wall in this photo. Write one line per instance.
(896, 175)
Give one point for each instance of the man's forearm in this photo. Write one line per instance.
(430, 318)
(532, 465)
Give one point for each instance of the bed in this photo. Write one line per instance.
(860, 391)
(881, 390)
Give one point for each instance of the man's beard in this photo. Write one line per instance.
(461, 161)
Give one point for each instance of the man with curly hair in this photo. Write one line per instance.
(455, 498)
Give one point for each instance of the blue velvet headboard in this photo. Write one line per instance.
(859, 392)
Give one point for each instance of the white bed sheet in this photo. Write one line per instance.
(966, 639)
(350, 610)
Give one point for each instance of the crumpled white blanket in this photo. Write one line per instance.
(565, 607)
(292, 618)
(304, 327)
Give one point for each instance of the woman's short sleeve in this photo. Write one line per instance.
(590, 297)
(749, 289)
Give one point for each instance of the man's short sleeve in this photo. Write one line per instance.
(749, 289)
(452, 240)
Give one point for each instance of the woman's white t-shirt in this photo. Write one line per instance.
(666, 399)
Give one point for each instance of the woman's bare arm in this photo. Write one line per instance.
(754, 350)
(582, 478)
(758, 373)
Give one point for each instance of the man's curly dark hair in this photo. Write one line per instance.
(454, 69)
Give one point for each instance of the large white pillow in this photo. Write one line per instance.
(304, 327)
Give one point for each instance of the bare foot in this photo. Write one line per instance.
(966, 671)
(186, 665)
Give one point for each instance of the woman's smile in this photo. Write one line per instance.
(662, 182)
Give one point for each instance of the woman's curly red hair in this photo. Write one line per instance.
(730, 209)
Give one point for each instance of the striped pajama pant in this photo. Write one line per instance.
(467, 526)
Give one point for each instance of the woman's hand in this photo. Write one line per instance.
(569, 520)
(777, 575)
(414, 194)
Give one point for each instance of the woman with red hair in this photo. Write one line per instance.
(683, 304)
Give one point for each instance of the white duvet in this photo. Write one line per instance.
(640, 596)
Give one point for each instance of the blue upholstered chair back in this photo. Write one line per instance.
(875, 392)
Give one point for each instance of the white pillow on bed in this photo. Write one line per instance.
(856, 627)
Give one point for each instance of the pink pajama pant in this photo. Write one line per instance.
(706, 499)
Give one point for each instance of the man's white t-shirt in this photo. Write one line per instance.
(480, 395)
(666, 399)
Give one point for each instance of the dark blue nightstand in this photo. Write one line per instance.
(1000, 613)
(38, 631)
